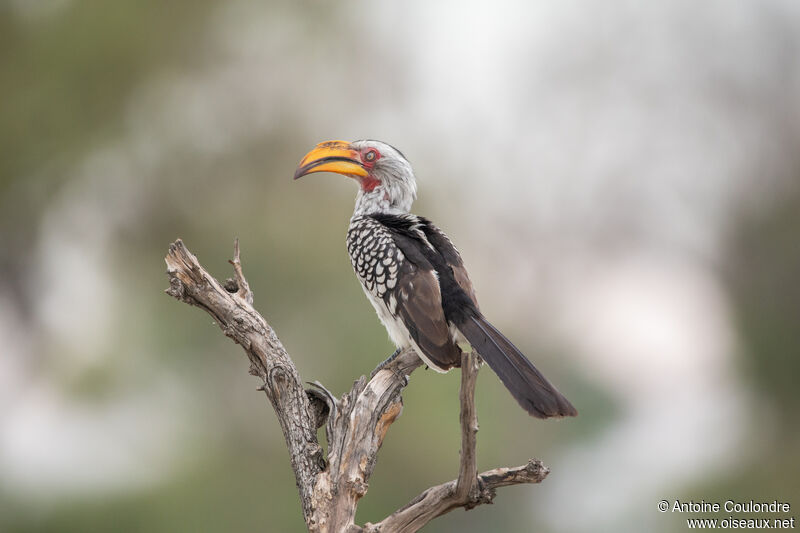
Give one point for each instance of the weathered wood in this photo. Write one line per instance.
(355, 433)
(441, 499)
(331, 486)
(467, 483)
(233, 312)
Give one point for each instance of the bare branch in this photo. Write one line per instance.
(355, 435)
(470, 488)
(355, 424)
(192, 284)
(441, 499)
(467, 485)
(243, 288)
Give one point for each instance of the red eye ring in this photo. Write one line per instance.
(371, 156)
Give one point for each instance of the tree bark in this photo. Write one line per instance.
(331, 485)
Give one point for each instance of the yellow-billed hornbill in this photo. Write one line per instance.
(415, 278)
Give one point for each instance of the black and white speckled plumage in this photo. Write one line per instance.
(374, 255)
(406, 268)
(393, 283)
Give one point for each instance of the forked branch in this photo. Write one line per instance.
(332, 484)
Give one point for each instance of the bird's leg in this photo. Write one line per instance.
(386, 362)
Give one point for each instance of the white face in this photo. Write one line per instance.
(385, 160)
(397, 188)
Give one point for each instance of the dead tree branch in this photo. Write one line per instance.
(467, 483)
(441, 499)
(230, 308)
(331, 485)
(470, 488)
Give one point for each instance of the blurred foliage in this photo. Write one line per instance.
(67, 70)
(764, 267)
(66, 76)
(220, 493)
(764, 262)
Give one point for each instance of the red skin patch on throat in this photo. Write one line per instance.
(369, 183)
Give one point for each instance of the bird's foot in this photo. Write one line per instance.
(386, 362)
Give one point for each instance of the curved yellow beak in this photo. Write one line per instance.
(332, 156)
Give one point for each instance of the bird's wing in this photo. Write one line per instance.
(437, 294)
(418, 296)
(452, 258)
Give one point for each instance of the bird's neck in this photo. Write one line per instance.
(382, 200)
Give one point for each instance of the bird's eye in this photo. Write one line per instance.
(371, 156)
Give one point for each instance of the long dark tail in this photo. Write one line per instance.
(526, 384)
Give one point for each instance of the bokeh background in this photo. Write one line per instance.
(623, 179)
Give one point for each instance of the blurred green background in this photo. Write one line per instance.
(623, 180)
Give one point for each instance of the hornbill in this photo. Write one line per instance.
(415, 278)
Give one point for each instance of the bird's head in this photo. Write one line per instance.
(386, 179)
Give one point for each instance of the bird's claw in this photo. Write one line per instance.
(385, 362)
